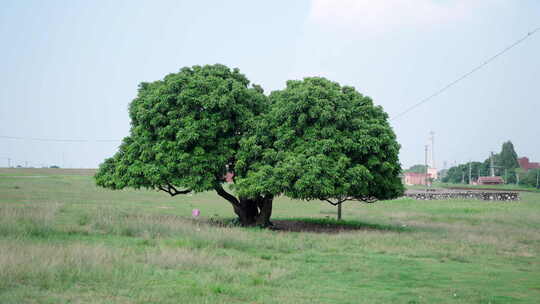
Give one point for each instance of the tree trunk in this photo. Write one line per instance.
(250, 211)
(255, 212)
(265, 212)
(247, 211)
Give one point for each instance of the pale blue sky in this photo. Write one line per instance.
(70, 68)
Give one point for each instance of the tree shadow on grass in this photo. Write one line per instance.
(332, 226)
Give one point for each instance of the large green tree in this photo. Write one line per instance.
(313, 140)
(321, 141)
(185, 134)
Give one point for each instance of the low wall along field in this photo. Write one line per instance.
(473, 195)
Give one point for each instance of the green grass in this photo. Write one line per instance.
(62, 240)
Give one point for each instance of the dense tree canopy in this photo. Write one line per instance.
(460, 173)
(504, 164)
(417, 169)
(507, 162)
(507, 159)
(312, 140)
(530, 178)
(185, 131)
(321, 141)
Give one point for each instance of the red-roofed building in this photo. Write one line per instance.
(412, 178)
(526, 165)
(490, 180)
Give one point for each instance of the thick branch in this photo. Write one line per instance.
(172, 190)
(332, 203)
(368, 200)
(226, 195)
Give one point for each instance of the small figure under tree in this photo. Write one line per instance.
(314, 140)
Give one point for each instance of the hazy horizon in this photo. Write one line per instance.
(70, 68)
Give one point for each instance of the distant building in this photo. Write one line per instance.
(433, 173)
(413, 178)
(490, 180)
(526, 165)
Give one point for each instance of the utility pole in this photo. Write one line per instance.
(426, 164)
(491, 165)
(432, 151)
(470, 172)
(9, 162)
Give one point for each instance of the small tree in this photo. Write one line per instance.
(530, 178)
(321, 141)
(507, 160)
(417, 169)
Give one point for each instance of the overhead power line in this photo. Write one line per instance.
(436, 93)
(483, 64)
(58, 140)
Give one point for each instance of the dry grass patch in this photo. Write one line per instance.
(32, 220)
(44, 264)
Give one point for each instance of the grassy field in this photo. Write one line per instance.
(62, 240)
